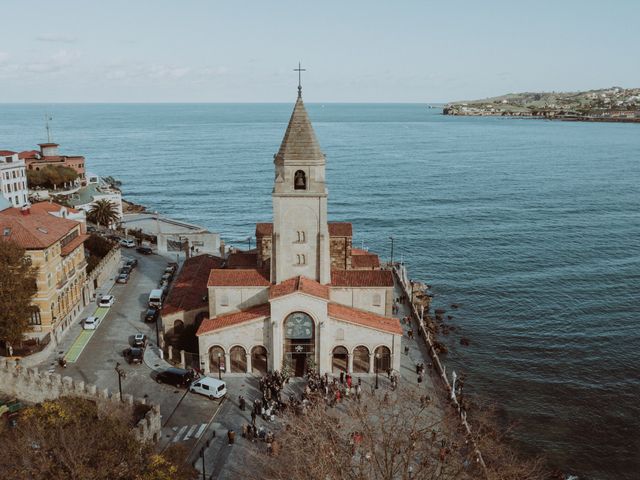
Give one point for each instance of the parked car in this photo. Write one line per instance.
(177, 377)
(163, 284)
(170, 270)
(144, 250)
(167, 277)
(126, 269)
(131, 263)
(114, 238)
(156, 297)
(173, 266)
(151, 315)
(127, 242)
(91, 323)
(133, 354)
(122, 278)
(106, 301)
(140, 340)
(209, 387)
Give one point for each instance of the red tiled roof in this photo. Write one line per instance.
(35, 230)
(190, 286)
(29, 154)
(242, 260)
(340, 229)
(362, 317)
(50, 207)
(357, 251)
(249, 277)
(235, 318)
(73, 244)
(367, 260)
(6, 153)
(299, 284)
(361, 278)
(264, 229)
(336, 229)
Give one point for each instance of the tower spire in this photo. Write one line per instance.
(299, 70)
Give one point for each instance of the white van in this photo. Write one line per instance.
(209, 387)
(155, 298)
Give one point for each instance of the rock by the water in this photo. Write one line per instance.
(454, 305)
(464, 341)
(449, 317)
(440, 311)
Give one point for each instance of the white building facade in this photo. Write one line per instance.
(297, 303)
(13, 179)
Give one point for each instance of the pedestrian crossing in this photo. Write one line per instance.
(185, 433)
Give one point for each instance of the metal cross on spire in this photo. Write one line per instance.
(299, 70)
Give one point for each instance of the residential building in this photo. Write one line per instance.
(49, 155)
(94, 190)
(13, 178)
(55, 246)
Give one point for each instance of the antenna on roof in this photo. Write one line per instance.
(48, 118)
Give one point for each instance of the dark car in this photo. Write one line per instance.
(144, 250)
(131, 263)
(151, 315)
(177, 377)
(126, 269)
(133, 354)
(140, 340)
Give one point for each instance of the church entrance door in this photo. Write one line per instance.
(299, 343)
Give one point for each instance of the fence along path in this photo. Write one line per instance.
(401, 276)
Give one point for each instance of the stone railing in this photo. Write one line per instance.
(402, 278)
(32, 386)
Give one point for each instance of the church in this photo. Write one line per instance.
(304, 298)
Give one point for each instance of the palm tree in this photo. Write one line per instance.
(103, 212)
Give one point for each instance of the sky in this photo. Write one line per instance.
(354, 51)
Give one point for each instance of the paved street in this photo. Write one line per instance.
(185, 415)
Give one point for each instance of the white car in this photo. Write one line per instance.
(209, 387)
(106, 301)
(127, 242)
(91, 323)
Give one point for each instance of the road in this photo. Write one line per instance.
(185, 415)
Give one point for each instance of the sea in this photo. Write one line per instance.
(531, 226)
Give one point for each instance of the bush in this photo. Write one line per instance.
(51, 176)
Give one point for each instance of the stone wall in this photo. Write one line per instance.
(104, 270)
(340, 251)
(33, 386)
(263, 245)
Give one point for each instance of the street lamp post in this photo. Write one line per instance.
(202, 456)
(121, 374)
(219, 366)
(249, 240)
(391, 238)
(377, 356)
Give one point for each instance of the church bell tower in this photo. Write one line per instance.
(300, 231)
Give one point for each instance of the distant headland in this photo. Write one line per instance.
(613, 104)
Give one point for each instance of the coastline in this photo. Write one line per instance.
(560, 116)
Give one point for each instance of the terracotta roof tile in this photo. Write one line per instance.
(362, 317)
(264, 229)
(73, 244)
(361, 278)
(29, 154)
(242, 260)
(50, 207)
(190, 285)
(235, 318)
(35, 230)
(250, 277)
(336, 229)
(299, 284)
(6, 153)
(367, 260)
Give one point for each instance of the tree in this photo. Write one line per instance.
(17, 288)
(98, 248)
(51, 176)
(103, 212)
(387, 436)
(76, 439)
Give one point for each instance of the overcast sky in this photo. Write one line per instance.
(354, 51)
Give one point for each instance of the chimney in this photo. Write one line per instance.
(26, 209)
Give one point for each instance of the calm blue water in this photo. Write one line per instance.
(533, 227)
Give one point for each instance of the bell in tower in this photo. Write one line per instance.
(300, 182)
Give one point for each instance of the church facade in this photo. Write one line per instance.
(304, 298)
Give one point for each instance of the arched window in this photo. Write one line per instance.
(377, 299)
(361, 359)
(238, 359)
(300, 181)
(383, 358)
(340, 360)
(301, 237)
(178, 326)
(216, 359)
(259, 360)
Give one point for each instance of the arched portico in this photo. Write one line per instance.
(361, 359)
(216, 359)
(238, 359)
(340, 360)
(259, 362)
